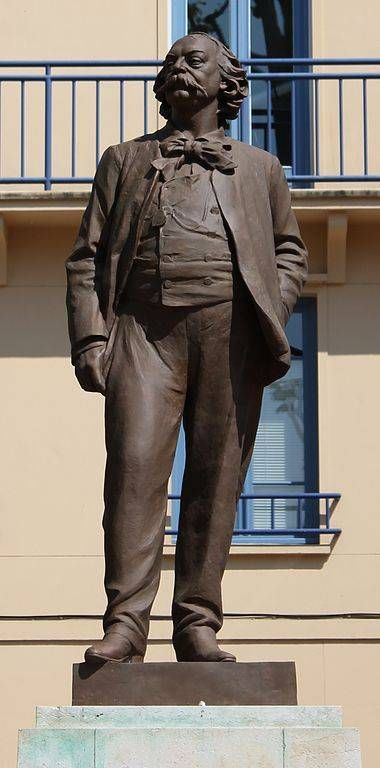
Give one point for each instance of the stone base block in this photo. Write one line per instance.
(190, 747)
(186, 683)
(174, 737)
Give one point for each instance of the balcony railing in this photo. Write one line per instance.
(321, 515)
(56, 117)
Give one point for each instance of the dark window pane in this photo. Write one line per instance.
(272, 37)
(271, 28)
(210, 16)
(285, 442)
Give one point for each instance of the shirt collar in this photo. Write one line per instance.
(218, 135)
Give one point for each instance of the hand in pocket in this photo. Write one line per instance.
(89, 369)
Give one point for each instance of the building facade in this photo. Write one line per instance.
(302, 581)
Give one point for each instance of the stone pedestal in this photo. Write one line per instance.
(189, 737)
(143, 716)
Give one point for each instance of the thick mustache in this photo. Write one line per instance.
(183, 80)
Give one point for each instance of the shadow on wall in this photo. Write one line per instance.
(354, 319)
(258, 563)
(33, 312)
(33, 303)
(33, 322)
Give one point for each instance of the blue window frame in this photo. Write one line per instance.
(262, 29)
(285, 458)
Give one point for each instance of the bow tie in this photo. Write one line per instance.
(213, 153)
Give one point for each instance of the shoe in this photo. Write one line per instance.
(114, 647)
(199, 644)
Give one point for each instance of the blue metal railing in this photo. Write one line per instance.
(313, 79)
(296, 73)
(323, 527)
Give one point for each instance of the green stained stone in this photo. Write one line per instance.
(56, 748)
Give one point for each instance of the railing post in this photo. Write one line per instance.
(73, 128)
(48, 127)
(244, 513)
(22, 135)
(145, 106)
(341, 132)
(269, 115)
(365, 126)
(272, 515)
(327, 500)
(97, 121)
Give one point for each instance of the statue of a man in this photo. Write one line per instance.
(187, 266)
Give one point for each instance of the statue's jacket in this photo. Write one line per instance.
(256, 206)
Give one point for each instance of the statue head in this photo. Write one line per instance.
(197, 70)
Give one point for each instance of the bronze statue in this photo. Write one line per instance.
(187, 266)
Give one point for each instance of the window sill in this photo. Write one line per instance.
(319, 550)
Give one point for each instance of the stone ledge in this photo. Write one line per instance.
(32, 207)
(190, 717)
(83, 194)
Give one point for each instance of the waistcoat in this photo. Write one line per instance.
(183, 257)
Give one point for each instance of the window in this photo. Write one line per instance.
(261, 29)
(285, 459)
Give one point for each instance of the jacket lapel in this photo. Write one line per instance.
(137, 177)
(135, 181)
(247, 235)
(249, 239)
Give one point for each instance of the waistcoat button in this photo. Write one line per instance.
(207, 281)
(168, 283)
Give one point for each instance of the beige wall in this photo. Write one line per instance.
(52, 455)
(92, 30)
(342, 29)
(40, 29)
(54, 30)
(52, 462)
(37, 379)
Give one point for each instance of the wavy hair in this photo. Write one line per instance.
(233, 77)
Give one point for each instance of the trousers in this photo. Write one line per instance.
(201, 365)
